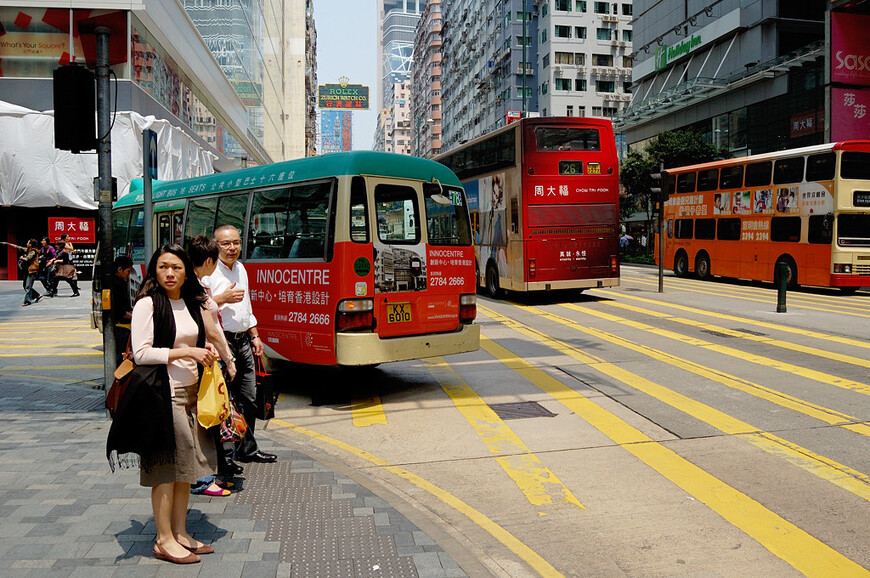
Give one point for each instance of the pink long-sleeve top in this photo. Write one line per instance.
(182, 372)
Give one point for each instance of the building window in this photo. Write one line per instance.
(563, 5)
(569, 110)
(544, 10)
(581, 111)
(544, 36)
(564, 58)
(606, 86)
(602, 60)
(603, 33)
(626, 35)
(562, 84)
(601, 8)
(627, 10)
(562, 31)
(546, 60)
(580, 32)
(580, 6)
(580, 84)
(579, 59)
(544, 90)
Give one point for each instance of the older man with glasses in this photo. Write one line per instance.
(230, 290)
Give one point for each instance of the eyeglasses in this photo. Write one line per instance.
(230, 243)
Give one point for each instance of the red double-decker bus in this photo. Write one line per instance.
(544, 200)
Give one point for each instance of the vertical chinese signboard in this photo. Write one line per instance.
(82, 233)
(850, 76)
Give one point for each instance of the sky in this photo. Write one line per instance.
(347, 46)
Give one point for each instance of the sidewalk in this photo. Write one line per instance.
(64, 513)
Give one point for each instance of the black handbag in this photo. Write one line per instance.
(265, 391)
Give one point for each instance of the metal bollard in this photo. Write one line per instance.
(782, 268)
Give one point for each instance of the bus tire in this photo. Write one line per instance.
(492, 281)
(791, 277)
(849, 290)
(702, 266)
(681, 264)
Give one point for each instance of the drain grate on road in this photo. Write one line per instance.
(520, 410)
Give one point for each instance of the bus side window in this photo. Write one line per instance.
(731, 177)
(820, 229)
(397, 214)
(758, 174)
(787, 171)
(785, 229)
(164, 229)
(686, 183)
(120, 232)
(728, 229)
(231, 211)
(684, 229)
(820, 168)
(705, 228)
(359, 213)
(307, 220)
(708, 180)
(267, 235)
(200, 218)
(670, 228)
(515, 216)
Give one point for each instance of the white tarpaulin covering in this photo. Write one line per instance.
(35, 174)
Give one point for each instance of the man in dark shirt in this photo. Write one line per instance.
(122, 310)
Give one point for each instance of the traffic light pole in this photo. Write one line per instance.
(104, 185)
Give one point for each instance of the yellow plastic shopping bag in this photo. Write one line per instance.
(213, 402)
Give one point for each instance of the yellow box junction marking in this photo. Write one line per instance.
(782, 538)
(368, 411)
(525, 553)
(829, 470)
(804, 372)
(534, 479)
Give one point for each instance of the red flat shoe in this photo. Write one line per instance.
(219, 492)
(162, 554)
(200, 550)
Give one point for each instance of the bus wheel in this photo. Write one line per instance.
(849, 290)
(492, 282)
(702, 266)
(681, 264)
(790, 272)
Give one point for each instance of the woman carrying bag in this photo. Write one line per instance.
(156, 417)
(30, 260)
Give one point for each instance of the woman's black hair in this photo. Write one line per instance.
(191, 290)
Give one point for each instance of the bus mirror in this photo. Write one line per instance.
(440, 199)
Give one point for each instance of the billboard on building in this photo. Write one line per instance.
(850, 68)
(343, 96)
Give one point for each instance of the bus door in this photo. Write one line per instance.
(417, 264)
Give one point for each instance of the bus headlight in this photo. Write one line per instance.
(467, 308)
(355, 315)
(843, 268)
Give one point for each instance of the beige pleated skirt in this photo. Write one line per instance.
(195, 455)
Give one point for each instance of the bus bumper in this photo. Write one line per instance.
(850, 280)
(571, 284)
(369, 348)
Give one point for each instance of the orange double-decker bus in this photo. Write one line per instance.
(808, 208)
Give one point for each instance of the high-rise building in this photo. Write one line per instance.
(426, 82)
(488, 66)
(583, 57)
(397, 24)
(751, 76)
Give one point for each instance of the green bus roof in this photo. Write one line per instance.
(346, 163)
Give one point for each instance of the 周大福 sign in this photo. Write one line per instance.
(345, 96)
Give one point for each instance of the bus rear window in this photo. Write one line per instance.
(550, 139)
(855, 165)
(397, 214)
(853, 230)
(446, 216)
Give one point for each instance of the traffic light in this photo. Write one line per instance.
(74, 109)
(659, 188)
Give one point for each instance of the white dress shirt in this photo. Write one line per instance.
(239, 316)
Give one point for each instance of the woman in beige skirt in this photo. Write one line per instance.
(171, 303)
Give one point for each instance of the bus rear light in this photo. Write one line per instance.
(532, 268)
(467, 308)
(355, 315)
(614, 264)
(843, 268)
